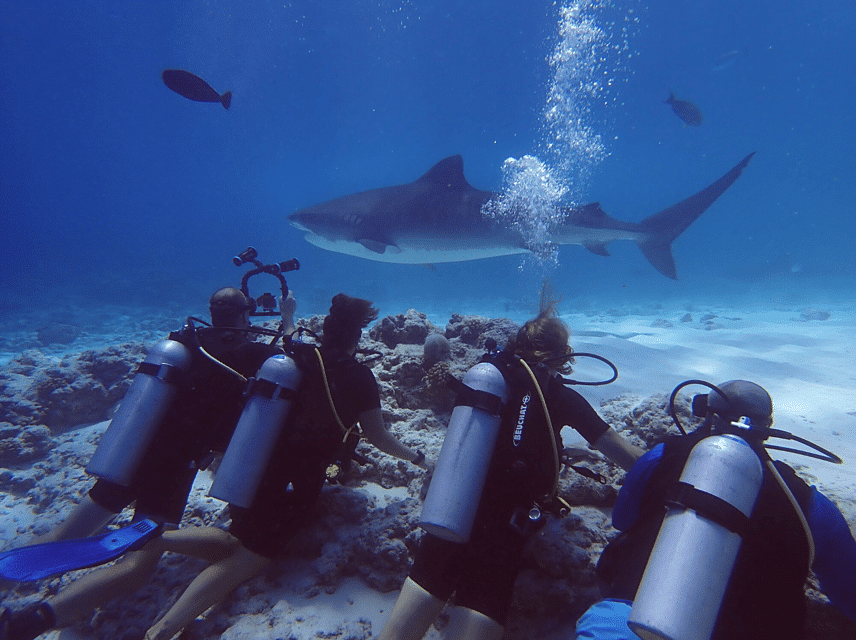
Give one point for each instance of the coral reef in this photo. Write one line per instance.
(474, 330)
(68, 391)
(436, 349)
(408, 328)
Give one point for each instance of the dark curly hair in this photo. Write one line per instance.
(346, 321)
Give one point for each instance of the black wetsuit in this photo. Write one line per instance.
(482, 572)
(296, 473)
(204, 414)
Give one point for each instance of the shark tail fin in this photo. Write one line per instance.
(664, 227)
(226, 100)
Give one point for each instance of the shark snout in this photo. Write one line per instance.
(300, 220)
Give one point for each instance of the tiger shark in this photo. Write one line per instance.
(438, 218)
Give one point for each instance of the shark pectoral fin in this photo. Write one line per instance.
(378, 246)
(596, 247)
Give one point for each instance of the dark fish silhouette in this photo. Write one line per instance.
(193, 87)
(686, 111)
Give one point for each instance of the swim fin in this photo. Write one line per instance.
(53, 558)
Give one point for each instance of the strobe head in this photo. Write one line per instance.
(289, 265)
(247, 255)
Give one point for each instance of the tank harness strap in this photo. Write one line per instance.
(707, 505)
(551, 436)
(269, 390)
(469, 397)
(165, 372)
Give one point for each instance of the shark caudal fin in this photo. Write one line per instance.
(668, 224)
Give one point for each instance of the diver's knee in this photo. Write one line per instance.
(139, 565)
(469, 624)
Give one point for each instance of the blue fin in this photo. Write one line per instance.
(52, 558)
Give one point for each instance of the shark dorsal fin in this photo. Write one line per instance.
(448, 173)
(593, 209)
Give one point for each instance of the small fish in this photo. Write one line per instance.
(193, 87)
(686, 111)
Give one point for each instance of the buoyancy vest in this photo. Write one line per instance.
(314, 423)
(765, 597)
(523, 460)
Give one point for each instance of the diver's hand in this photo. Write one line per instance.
(572, 454)
(422, 462)
(426, 480)
(287, 306)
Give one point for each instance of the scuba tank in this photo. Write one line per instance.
(459, 476)
(140, 413)
(690, 565)
(269, 399)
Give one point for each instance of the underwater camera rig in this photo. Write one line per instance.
(266, 301)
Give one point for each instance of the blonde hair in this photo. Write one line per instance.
(545, 337)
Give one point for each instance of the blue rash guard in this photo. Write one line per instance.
(834, 560)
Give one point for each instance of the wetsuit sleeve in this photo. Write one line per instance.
(835, 553)
(569, 408)
(629, 501)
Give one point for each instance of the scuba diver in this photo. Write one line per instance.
(270, 502)
(182, 406)
(497, 472)
(717, 539)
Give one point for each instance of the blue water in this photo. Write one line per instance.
(116, 190)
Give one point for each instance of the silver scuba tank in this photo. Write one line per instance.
(140, 413)
(271, 396)
(691, 563)
(459, 476)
